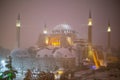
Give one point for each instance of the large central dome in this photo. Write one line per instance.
(63, 27)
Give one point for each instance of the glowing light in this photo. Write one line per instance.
(90, 22)
(56, 43)
(46, 40)
(45, 31)
(109, 30)
(95, 60)
(60, 72)
(3, 63)
(93, 54)
(90, 51)
(57, 76)
(93, 67)
(18, 21)
(87, 59)
(18, 24)
(69, 40)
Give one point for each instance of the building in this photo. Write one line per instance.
(61, 36)
(62, 44)
(57, 48)
(52, 51)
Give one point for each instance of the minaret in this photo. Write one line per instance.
(90, 35)
(45, 32)
(91, 52)
(18, 31)
(109, 37)
(45, 29)
(90, 29)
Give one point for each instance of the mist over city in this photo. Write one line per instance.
(59, 40)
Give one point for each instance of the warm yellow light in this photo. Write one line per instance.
(55, 43)
(95, 60)
(18, 24)
(90, 53)
(94, 56)
(109, 30)
(60, 72)
(69, 40)
(57, 76)
(46, 40)
(90, 22)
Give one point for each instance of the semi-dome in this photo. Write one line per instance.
(44, 53)
(64, 53)
(18, 52)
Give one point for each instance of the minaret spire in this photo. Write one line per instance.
(109, 29)
(45, 32)
(90, 28)
(45, 29)
(109, 36)
(18, 21)
(18, 30)
(90, 14)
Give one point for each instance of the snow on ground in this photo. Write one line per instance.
(113, 74)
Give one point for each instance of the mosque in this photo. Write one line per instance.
(58, 48)
(61, 36)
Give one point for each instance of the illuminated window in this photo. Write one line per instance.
(69, 40)
(46, 40)
(54, 41)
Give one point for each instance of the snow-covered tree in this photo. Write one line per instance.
(11, 72)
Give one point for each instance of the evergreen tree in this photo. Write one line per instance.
(11, 72)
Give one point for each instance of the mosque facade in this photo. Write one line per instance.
(61, 36)
(55, 49)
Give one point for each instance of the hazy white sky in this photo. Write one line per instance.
(35, 13)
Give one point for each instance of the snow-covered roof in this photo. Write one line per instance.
(59, 53)
(18, 52)
(44, 52)
(64, 53)
(61, 27)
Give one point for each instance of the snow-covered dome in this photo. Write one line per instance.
(63, 28)
(64, 53)
(44, 53)
(17, 52)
